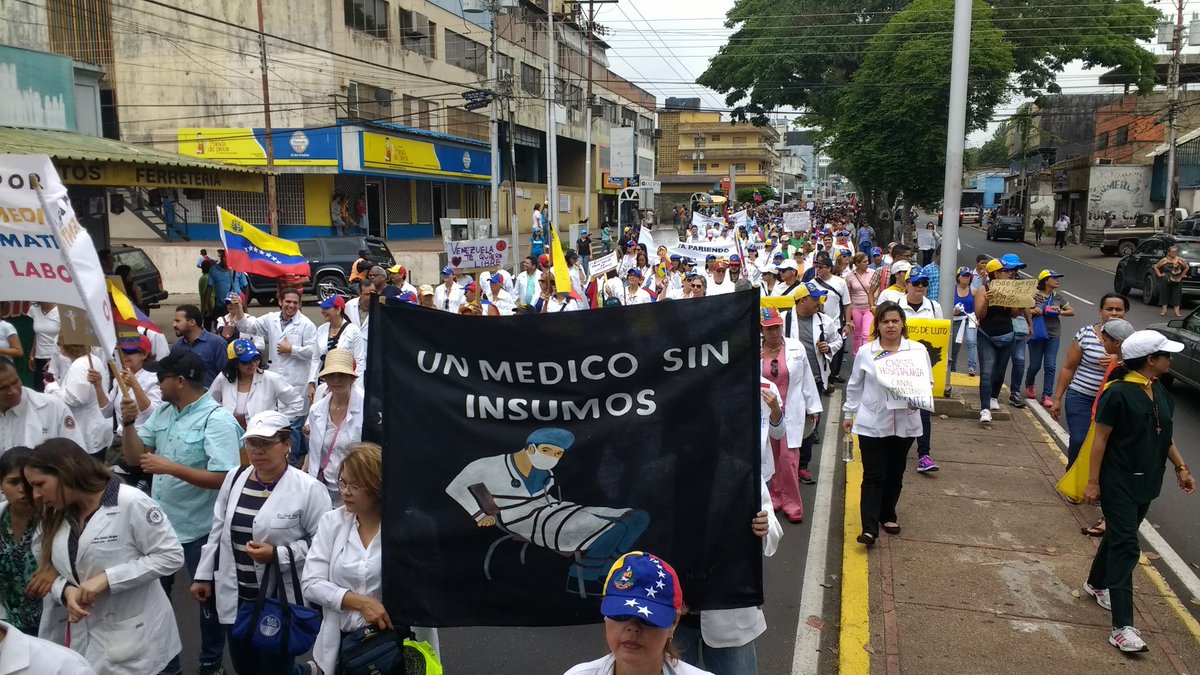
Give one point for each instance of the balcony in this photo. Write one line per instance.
(749, 153)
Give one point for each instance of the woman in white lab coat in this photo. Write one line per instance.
(84, 388)
(266, 509)
(343, 572)
(335, 422)
(338, 332)
(119, 617)
(247, 388)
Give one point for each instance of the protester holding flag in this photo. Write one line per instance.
(142, 385)
(633, 293)
(637, 628)
(885, 433)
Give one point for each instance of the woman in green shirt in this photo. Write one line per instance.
(1132, 441)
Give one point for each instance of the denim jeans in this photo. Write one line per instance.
(212, 635)
(993, 362)
(299, 441)
(1018, 366)
(969, 339)
(1077, 408)
(926, 435)
(1042, 356)
(741, 660)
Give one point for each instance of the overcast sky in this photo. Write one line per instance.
(664, 45)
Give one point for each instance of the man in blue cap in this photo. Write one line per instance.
(821, 339)
(516, 493)
(584, 246)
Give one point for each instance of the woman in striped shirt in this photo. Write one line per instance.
(1081, 375)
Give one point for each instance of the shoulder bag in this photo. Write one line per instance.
(272, 625)
(1038, 331)
(371, 651)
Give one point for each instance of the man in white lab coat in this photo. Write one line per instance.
(516, 493)
(27, 417)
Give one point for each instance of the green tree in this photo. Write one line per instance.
(803, 53)
(888, 138)
(746, 194)
(994, 152)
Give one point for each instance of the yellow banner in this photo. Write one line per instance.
(244, 146)
(381, 151)
(117, 174)
(779, 302)
(935, 335)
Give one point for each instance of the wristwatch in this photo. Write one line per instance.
(1181, 468)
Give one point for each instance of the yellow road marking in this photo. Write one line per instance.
(855, 634)
(1172, 599)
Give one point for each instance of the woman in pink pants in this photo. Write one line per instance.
(860, 280)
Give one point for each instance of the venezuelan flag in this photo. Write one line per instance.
(127, 314)
(250, 250)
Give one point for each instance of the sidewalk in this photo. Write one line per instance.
(987, 575)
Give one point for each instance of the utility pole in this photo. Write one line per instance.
(956, 136)
(551, 120)
(494, 122)
(269, 144)
(515, 220)
(1025, 187)
(1173, 112)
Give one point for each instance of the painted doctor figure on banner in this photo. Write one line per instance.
(516, 493)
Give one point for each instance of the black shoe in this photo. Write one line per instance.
(836, 378)
(866, 539)
(1016, 401)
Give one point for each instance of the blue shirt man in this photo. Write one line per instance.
(209, 347)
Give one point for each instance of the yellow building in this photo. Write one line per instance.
(698, 152)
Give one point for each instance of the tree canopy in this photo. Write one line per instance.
(993, 153)
(892, 137)
(802, 53)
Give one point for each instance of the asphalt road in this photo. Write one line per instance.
(1088, 277)
(550, 651)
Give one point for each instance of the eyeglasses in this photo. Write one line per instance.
(696, 285)
(348, 487)
(627, 619)
(774, 367)
(257, 445)
(919, 283)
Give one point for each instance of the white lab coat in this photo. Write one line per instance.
(131, 628)
(448, 300)
(149, 384)
(735, 627)
(503, 301)
(324, 556)
(823, 327)
(350, 340)
(524, 280)
(36, 418)
(80, 396)
(268, 391)
(351, 433)
(19, 652)
(803, 399)
(301, 333)
(288, 517)
(866, 399)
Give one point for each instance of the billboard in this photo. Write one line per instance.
(247, 147)
(37, 90)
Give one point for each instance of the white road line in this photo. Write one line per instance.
(1166, 554)
(807, 645)
(1077, 297)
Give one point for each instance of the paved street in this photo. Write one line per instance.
(1174, 514)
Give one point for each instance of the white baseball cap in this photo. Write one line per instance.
(788, 265)
(1147, 342)
(266, 424)
(770, 268)
(900, 266)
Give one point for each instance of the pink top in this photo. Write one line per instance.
(858, 285)
(780, 378)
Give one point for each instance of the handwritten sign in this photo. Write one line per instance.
(1012, 292)
(934, 335)
(906, 377)
(797, 221)
(603, 264)
(477, 253)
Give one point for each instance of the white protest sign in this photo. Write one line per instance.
(478, 253)
(703, 222)
(740, 218)
(796, 221)
(646, 240)
(908, 379)
(603, 264)
(48, 255)
(700, 250)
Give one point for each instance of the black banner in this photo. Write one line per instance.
(524, 454)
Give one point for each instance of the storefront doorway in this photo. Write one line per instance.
(375, 210)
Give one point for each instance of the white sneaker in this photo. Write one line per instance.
(1100, 594)
(994, 405)
(1127, 639)
(985, 416)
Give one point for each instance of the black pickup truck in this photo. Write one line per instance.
(329, 259)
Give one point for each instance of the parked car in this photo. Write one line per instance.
(1134, 271)
(969, 215)
(145, 273)
(1007, 227)
(329, 259)
(1186, 364)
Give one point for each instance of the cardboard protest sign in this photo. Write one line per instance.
(907, 378)
(1012, 292)
(530, 466)
(477, 254)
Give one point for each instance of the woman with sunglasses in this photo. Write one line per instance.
(265, 511)
(885, 433)
(785, 364)
(996, 335)
(637, 628)
(1132, 443)
(965, 325)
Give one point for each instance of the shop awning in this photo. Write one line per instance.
(93, 160)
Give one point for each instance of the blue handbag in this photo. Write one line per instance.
(1038, 330)
(272, 625)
